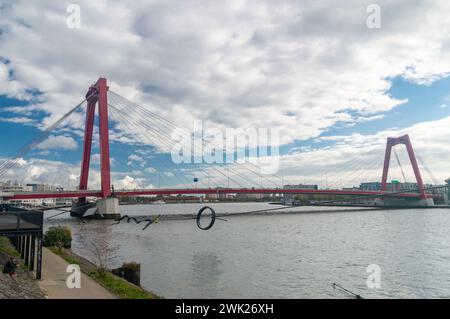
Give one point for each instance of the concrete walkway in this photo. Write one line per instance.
(54, 277)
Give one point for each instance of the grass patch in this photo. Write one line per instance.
(114, 284)
(120, 287)
(6, 248)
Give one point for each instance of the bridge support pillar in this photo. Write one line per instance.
(404, 202)
(80, 208)
(107, 208)
(104, 208)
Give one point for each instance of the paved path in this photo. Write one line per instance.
(54, 281)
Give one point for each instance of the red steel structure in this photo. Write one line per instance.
(98, 94)
(204, 191)
(391, 142)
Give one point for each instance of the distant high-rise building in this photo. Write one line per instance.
(43, 188)
(370, 186)
(14, 187)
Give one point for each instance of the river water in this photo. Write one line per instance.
(278, 255)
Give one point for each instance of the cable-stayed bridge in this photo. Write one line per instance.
(143, 126)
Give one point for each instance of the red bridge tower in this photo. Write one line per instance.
(391, 142)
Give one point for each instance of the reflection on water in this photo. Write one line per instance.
(287, 256)
(205, 273)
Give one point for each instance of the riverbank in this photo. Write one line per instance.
(54, 277)
(111, 285)
(24, 285)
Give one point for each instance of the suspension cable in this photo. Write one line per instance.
(8, 164)
(168, 124)
(165, 143)
(400, 165)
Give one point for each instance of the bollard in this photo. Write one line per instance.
(131, 272)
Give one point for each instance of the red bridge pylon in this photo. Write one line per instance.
(97, 93)
(391, 142)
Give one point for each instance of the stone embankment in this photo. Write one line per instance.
(23, 286)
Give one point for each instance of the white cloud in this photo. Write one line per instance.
(95, 158)
(297, 66)
(35, 172)
(44, 153)
(351, 160)
(370, 118)
(150, 170)
(21, 120)
(22, 162)
(58, 142)
(129, 182)
(50, 172)
(302, 67)
(362, 156)
(134, 158)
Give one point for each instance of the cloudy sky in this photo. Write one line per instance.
(335, 88)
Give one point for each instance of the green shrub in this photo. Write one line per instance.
(60, 237)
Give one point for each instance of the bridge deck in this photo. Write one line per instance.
(205, 191)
